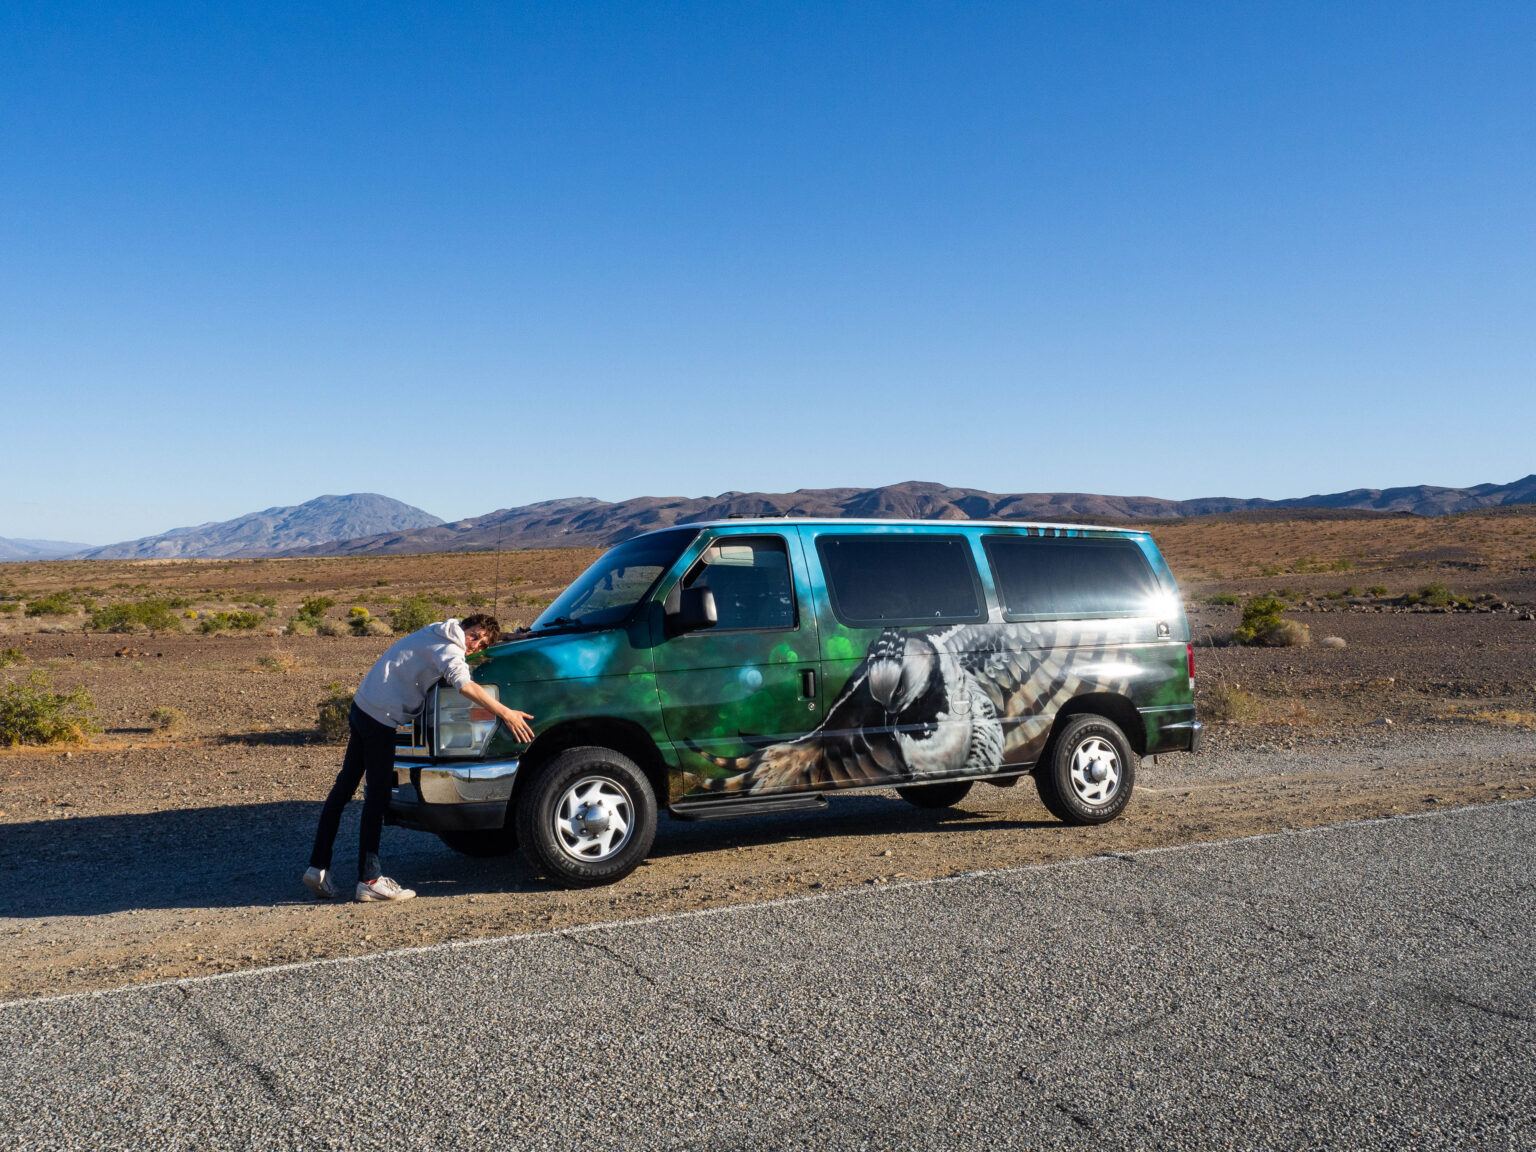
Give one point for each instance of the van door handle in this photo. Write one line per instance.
(808, 683)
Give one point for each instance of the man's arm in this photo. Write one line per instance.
(516, 722)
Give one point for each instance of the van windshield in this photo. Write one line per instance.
(622, 576)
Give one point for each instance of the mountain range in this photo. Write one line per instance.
(37, 549)
(314, 523)
(588, 522)
(363, 523)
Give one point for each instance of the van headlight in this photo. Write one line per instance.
(461, 727)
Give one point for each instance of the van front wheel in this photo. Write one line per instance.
(1089, 771)
(587, 818)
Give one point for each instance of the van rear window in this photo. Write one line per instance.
(1072, 576)
(878, 579)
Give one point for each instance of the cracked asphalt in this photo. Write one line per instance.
(1368, 985)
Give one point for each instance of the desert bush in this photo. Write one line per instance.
(316, 606)
(355, 611)
(262, 602)
(1376, 590)
(1435, 595)
(9, 606)
(414, 612)
(224, 621)
(300, 626)
(332, 713)
(1342, 565)
(1261, 616)
(277, 662)
(1289, 634)
(155, 615)
(31, 712)
(1229, 702)
(9, 656)
(475, 600)
(164, 719)
(372, 626)
(1334, 642)
(53, 604)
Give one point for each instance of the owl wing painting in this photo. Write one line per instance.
(962, 700)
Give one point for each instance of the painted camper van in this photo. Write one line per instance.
(752, 666)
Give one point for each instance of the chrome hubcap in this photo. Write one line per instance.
(1095, 771)
(593, 819)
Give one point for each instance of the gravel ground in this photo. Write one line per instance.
(99, 900)
(1363, 986)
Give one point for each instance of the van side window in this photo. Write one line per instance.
(749, 576)
(1072, 576)
(879, 579)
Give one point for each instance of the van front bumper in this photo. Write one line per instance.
(447, 796)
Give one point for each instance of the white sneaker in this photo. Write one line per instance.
(382, 889)
(318, 881)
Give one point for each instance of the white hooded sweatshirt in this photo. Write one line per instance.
(396, 687)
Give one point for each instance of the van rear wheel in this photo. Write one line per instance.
(587, 818)
(944, 795)
(1089, 771)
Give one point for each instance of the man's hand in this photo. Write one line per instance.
(516, 722)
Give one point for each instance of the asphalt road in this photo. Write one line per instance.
(1361, 986)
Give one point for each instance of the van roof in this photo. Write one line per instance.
(737, 521)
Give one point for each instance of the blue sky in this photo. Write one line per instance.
(477, 256)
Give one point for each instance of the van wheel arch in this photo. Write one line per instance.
(1111, 706)
(623, 736)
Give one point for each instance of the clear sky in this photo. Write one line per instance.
(477, 256)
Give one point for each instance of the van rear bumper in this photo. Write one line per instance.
(1188, 734)
(1171, 729)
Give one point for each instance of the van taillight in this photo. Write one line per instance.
(1190, 648)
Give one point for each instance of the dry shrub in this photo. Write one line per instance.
(1288, 634)
(31, 712)
(1230, 703)
(166, 719)
(1507, 717)
(1333, 642)
(333, 712)
(277, 662)
(328, 628)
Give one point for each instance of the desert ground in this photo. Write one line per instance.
(169, 842)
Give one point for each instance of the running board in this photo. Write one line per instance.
(762, 806)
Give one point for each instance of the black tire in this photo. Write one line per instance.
(614, 786)
(944, 795)
(1065, 776)
(484, 843)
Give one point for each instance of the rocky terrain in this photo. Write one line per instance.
(153, 851)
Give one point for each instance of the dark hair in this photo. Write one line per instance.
(484, 622)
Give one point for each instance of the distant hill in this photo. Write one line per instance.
(37, 549)
(587, 522)
(317, 522)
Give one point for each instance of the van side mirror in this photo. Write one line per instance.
(695, 610)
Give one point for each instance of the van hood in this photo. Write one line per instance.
(572, 655)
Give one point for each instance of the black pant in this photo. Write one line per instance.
(371, 754)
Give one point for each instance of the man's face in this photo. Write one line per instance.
(475, 639)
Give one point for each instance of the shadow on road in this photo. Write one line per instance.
(252, 854)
